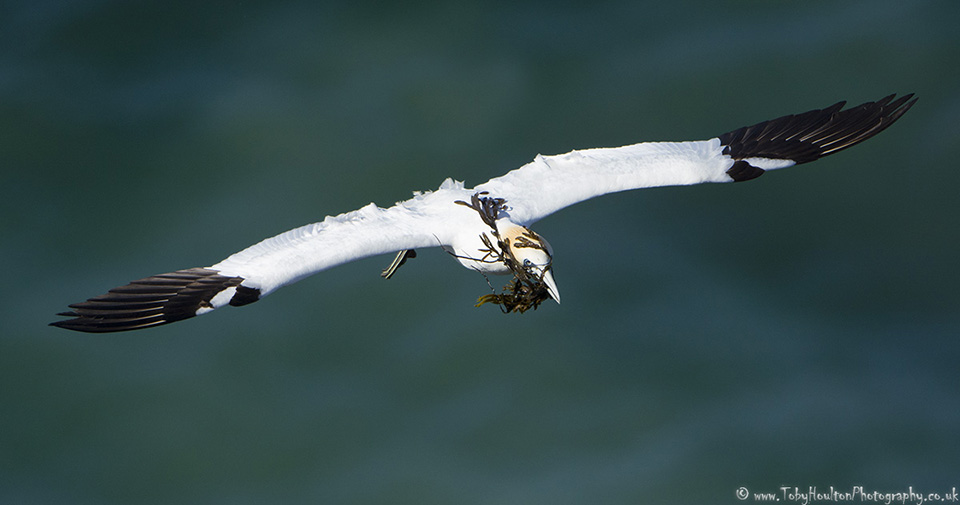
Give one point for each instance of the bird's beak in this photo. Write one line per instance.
(551, 285)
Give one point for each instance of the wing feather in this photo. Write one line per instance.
(369, 231)
(550, 183)
(258, 270)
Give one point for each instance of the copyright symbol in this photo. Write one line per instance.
(743, 493)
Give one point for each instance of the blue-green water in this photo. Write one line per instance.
(799, 330)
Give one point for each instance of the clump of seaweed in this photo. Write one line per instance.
(518, 296)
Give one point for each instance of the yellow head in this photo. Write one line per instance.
(532, 252)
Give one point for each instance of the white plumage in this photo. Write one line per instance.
(445, 218)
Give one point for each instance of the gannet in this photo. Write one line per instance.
(486, 228)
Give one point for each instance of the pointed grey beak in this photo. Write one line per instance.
(551, 285)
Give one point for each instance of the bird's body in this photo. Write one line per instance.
(485, 228)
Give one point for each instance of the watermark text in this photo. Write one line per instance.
(854, 494)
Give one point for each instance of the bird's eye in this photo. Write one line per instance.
(527, 263)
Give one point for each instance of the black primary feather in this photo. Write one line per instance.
(152, 301)
(810, 136)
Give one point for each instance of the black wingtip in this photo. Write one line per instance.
(809, 136)
(153, 301)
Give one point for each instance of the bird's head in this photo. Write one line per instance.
(532, 253)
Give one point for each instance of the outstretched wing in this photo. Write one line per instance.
(550, 183)
(254, 272)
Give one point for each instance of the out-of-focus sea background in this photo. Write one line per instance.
(799, 330)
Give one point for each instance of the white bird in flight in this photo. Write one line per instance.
(485, 228)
